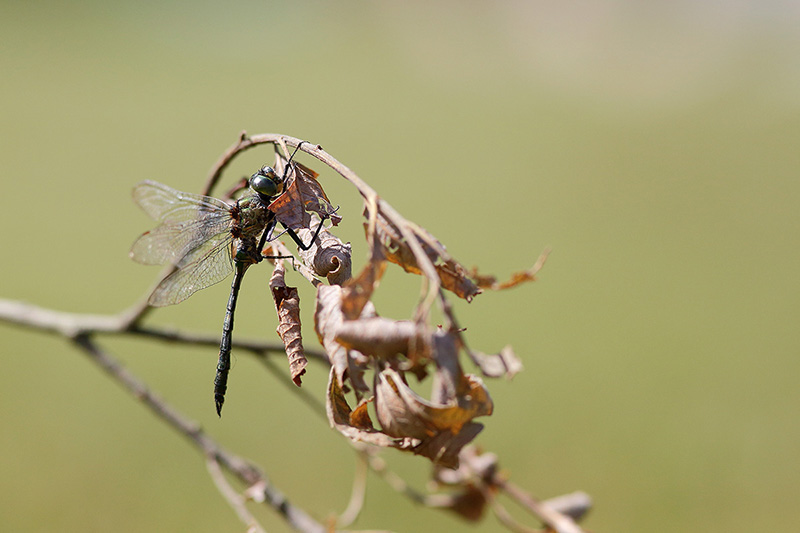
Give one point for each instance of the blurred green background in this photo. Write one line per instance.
(655, 147)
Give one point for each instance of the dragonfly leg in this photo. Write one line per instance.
(298, 241)
(267, 235)
(289, 161)
(224, 363)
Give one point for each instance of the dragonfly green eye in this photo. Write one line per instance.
(266, 182)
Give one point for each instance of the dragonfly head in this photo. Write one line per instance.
(266, 183)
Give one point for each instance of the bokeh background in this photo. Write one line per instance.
(655, 147)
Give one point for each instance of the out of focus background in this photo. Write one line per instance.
(654, 147)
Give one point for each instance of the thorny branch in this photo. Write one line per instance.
(355, 341)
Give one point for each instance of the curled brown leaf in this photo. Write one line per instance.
(469, 503)
(452, 275)
(444, 447)
(398, 408)
(327, 257)
(358, 291)
(303, 196)
(383, 337)
(287, 304)
(328, 319)
(354, 427)
(474, 465)
(502, 364)
(360, 416)
(442, 429)
(314, 197)
(490, 282)
(474, 480)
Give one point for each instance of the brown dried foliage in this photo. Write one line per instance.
(287, 304)
(373, 358)
(357, 341)
(303, 196)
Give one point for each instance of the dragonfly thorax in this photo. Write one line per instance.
(266, 182)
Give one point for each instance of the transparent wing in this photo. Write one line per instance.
(170, 242)
(161, 202)
(187, 220)
(202, 267)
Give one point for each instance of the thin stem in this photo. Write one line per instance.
(236, 501)
(357, 495)
(71, 325)
(246, 472)
(550, 517)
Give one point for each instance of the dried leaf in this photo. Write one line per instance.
(358, 291)
(289, 209)
(303, 196)
(327, 257)
(443, 448)
(314, 197)
(449, 383)
(328, 319)
(399, 413)
(452, 386)
(473, 464)
(359, 418)
(474, 468)
(383, 337)
(452, 275)
(287, 303)
(469, 503)
(575, 505)
(353, 425)
(397, 250)
(503, 364)
(342, 419)
(491, 283)
(473, 402)
(403, 413)
(455, 279)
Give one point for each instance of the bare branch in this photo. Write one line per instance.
(67, 324)
(245, 471)
(507, 520)
(71, 325)
(555, 520)
(236, 501)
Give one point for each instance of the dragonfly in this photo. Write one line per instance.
(206, 239)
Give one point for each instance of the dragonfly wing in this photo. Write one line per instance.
(156, 246)
(202, 267)
(187, 220)
(172, 240)
(165, 203)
